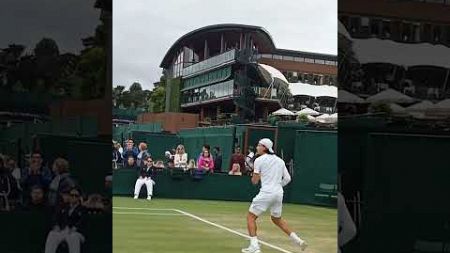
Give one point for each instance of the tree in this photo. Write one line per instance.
(157, 100)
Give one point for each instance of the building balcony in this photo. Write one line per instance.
(211, 63)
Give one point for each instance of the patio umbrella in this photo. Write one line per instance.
(327, 118)
(390, 96)
(348, 97)
(283, 112)
(308, 111)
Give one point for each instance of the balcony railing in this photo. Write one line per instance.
(210, 63)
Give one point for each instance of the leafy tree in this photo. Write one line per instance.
(157, 100)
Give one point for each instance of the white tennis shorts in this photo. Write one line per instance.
(264, 201)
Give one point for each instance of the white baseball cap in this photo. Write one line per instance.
(266, 142)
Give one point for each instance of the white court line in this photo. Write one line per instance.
(231, 231)
(141, 208)
(209, 223)
(150, 214)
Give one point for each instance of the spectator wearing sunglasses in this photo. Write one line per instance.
(145, 178)
(68, 225)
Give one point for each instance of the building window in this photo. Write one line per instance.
(309, 60)
(268, 56)
(299, 59)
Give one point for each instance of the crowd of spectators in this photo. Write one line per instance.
(207, 161)
(36, 186)
(53, 192)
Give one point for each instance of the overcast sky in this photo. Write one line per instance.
(144, 30)
(26, 22)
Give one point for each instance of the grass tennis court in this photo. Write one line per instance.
(200, 226)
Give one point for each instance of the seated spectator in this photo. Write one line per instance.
(37, 200)
(170, 155)
(204, 148)
(8, 188)
(68, 225)
(62, 180)
(238, 158)
(130, 150)
(11, 164)
(217, 159)
(235, 170)
(206, 162)
(143, 152)
(131, 163)
(36, 174)
(116, 155)
(180, 158)
(145, 178)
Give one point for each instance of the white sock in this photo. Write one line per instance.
(295, 237)
(254, 241)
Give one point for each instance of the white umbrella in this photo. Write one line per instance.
(283, 112)
(308, 111)
(326, 118)
(348, 97)
(396, 108)
(390, 96)
(424, 105)
(311, 118)
(444, 104)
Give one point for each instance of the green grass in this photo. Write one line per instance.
(163, 232)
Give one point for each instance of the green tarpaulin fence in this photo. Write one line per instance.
(315, 167)
(223, 137)
(157, 143)
(122, 133)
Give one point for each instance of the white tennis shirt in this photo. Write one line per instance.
(273, 171)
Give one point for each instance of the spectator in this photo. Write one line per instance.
(131, 163)
(206, 162)
(204, 147)
(180, 158)
(62, 180)
(68, 225)
(145, 178)
(130, 150)
(170, 155)
(238, 158)
(249, 160)
(235, 170)
(143, 152)
(11, 164)
(36, 174)
(217, 159)
(116, 155)
(37, 200)
(8, 187)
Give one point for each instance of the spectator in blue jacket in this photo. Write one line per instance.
(130, 150)
(36, 174)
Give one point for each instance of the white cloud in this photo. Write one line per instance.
(144, 30)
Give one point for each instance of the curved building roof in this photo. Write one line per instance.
(260, 35)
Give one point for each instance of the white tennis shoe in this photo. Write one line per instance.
(251, 249)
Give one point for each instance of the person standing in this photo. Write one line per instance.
(143, 153)
(273, 174)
